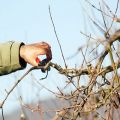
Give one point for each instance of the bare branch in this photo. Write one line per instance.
(57, 38)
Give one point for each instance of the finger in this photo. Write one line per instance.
(49, 54)
(42, 44)
(41, 51)
(45, 51)
(46, 44)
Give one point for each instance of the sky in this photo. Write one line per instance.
(29, 21)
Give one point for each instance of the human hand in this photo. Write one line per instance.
(31, 52)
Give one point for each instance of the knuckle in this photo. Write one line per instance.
(46, 44)
(43, 42)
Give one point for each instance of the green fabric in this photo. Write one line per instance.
(10, 60)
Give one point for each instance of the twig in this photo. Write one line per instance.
(57, 37)
(112, 39)
(108, 7)
(98, 9)
(103, 17)
(84, 55)
(14, 86)
(38, 82)
(2, 114)
(113, 17)
(95, 23)
(72, 72)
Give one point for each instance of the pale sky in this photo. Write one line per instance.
(29, 21)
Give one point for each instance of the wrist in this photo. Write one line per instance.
(22, 51)
(21, 55)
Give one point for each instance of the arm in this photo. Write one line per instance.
(14, 55)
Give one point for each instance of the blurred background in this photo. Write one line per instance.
(29, 21)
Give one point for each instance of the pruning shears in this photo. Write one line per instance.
(42, 63)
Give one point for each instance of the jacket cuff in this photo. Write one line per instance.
(16, 61)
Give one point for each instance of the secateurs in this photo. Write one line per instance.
(42, 63)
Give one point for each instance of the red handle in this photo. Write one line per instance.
(37, 60)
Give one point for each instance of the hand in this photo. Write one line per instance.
(30, 52)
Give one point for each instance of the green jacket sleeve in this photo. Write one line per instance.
(10, 60)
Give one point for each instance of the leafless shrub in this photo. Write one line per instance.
(100, 98)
